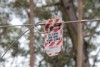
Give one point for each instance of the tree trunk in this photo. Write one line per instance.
(31, 37)
(73, 30)
(80, 35)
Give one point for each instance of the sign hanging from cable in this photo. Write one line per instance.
(53, 42)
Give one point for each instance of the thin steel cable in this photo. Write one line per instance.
(38, 31)
(77, 21)
(14, 42)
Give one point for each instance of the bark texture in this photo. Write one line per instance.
(80, 34)
(31, 37)
(70, 11)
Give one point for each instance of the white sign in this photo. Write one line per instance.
(54, 39)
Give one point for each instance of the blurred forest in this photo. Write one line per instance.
(30, 45)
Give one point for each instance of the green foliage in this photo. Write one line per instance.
(66, 57)
(22, 3)
(42, 13)
(91, 9)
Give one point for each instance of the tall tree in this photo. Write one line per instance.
(72, 30)
(80, 34)
(31, 37)
(67, 54)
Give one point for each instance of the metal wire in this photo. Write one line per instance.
(13, 43)
(33, 26)
(1, 26)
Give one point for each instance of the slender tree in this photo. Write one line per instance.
(73, 30)
(80, 35)
(31, 37)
